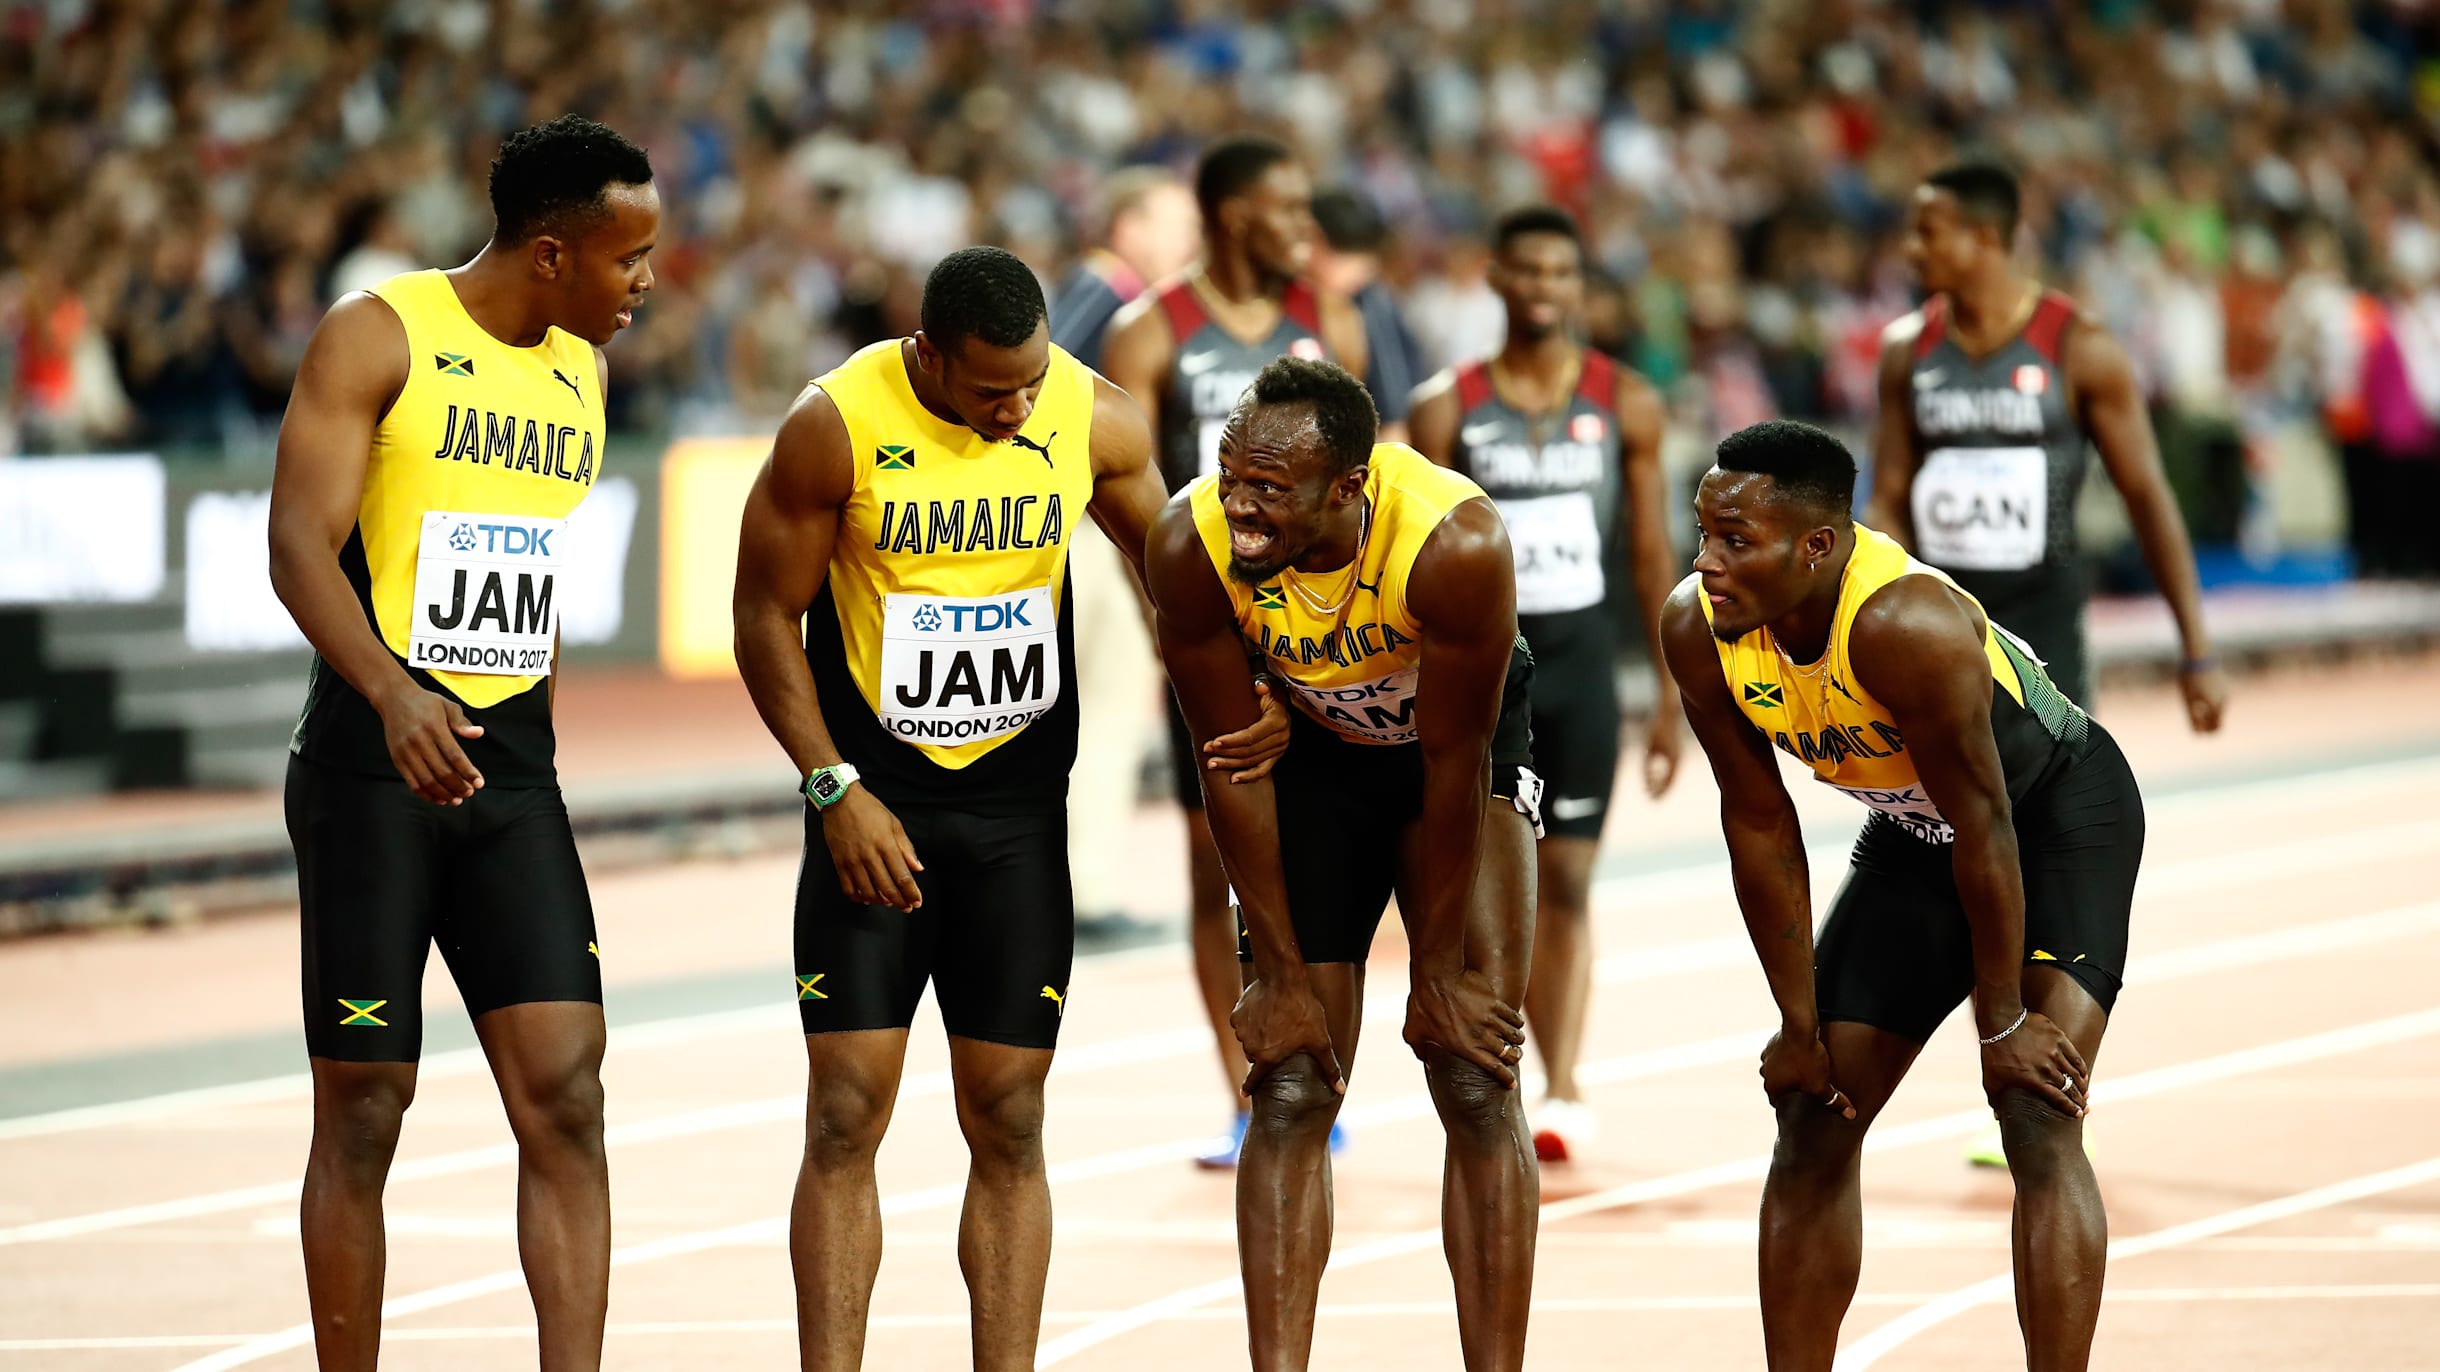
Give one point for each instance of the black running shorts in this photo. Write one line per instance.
(995, 936)
(1575, 718)
(384, 874)
(1896, 952)
(1344, 808)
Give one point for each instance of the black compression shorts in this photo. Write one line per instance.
(1896, 952)
(383, 874)
(1185, 768)
(1344, 809)
(995, 936)
(1575, 718)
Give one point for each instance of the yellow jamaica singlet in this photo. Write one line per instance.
(460, 540)
(1348, 650)
(945, 611)
(1819, 714)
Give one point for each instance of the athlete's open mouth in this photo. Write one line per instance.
(626, 317)
(1250, 544)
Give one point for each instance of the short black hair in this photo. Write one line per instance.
(1230, 168)
(550, 178)
(984, 292)
(1342, 409)
(1532, 219)
(1985, 191)
(1802, 461)
(1348, 220)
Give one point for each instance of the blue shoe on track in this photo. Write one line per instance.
(1224, 1148)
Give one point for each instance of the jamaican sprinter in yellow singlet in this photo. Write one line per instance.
(902, 623)
(1382, 590)
(1998, 866)
(444, 426)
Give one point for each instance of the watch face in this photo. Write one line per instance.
(825, 786)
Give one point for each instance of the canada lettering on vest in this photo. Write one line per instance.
(1993, 411)
(970, 526)
(1214, 393)
(489, 438)
(1347, 646)
(1554, 464)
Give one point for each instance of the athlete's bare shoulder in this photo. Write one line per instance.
(1900, 335)
(1122, 437)
(1915, 626)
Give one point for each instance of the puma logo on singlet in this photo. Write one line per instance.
(1043, 447)
(570, 383)
(1056, 999)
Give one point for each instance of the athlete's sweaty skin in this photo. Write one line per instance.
(1769, 559)
(546, 1055)
(1968, 261)
(1465, 892)
(789, 535)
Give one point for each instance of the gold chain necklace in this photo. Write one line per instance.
(1355, 573)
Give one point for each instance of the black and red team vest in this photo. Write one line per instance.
(1212, 368)
(1556, 479)
(2003, 459)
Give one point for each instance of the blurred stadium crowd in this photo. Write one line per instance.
(2245, 190)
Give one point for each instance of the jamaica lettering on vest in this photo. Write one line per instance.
(969, 526)
(481, 436)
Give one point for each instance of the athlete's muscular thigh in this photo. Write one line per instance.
(1499, 907)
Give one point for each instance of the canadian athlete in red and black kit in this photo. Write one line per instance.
(1568, 445)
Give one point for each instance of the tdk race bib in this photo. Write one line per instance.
(955, 669)
(1557, 540)
(1380, 711)
(1983, 509)
(1908, 805)
(484, 594)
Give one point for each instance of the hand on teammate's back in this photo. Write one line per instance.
(1462, 1014)
(2038, 1057)
(1247, 755)
(422, 729)
(869, 847)
(1799, 1063)
(2206, 693)
(1274, 1024)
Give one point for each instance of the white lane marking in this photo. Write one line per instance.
(1878, 1344)
(2245, 1062)
(679, 1029)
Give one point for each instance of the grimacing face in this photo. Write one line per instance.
(606, 271)
(992, 390)
(1753, 549)
(1277, 489)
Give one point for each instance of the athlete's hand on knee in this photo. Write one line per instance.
(1274, 1024)
(1799, 1064)
(869, 847)
(422, 729)
(1661, 743)
(1247, 755)
(1462, 1014)
(2039, 1057)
